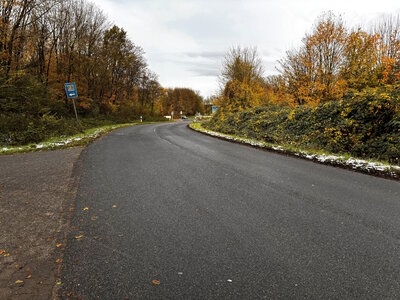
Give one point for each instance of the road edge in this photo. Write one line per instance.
(393, 172)
(66, 217)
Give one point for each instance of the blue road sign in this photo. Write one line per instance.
(70, 89)
(214, 108)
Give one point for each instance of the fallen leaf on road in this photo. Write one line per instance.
(28, 276)
(94, 218)
(58, 245)
(59, 260)
(114, 206)
(7, 254)
(2, 251)
(59, 282)
(86, 208)
(155, 282)
(19, 282)
(78, 237)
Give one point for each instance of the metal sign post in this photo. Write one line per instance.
(70, 90)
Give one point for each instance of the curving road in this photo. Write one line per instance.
(176, 214)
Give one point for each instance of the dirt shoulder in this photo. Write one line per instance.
(36, 195)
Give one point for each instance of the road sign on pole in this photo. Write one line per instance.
(70, 89)
(72, 93)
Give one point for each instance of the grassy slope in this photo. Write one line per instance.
(80, 139)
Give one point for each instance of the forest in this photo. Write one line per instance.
(339, 91)
(46, 43)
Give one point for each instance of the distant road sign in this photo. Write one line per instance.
(214, 108)
(70, 89)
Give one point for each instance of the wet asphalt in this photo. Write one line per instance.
(163, 212)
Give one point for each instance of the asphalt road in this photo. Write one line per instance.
(206, 218)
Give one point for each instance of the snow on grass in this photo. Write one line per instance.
(60, 142)
(339, 160)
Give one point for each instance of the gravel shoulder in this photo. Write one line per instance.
(36, 193)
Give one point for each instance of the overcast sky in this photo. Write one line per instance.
(185, 40)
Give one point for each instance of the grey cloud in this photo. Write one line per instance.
(204, 71)
(206, 54)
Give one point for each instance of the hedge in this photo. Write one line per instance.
(364, 125)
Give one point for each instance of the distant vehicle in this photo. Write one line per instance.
(183, 117)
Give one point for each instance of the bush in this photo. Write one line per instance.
(365, 125)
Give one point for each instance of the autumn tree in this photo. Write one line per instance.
(360, 60)
(181, 99)
(241, 78)
(388, 43)
(313, 72)
(56, 41)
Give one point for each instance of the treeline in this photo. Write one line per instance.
(332, 61)
(181, 99)
(45, 43)
(338, 92)
(63, 41)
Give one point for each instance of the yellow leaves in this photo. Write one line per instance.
(28, 273)
(19, 282)
(2, 252)
(59, 260)
(78, 237)
(242, 95)
(7, 254)
(59, 245)
(59, 283)
(85, 209)
(114, 206)
(291, 114)
(155, 282)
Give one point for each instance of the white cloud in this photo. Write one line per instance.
(185, 41)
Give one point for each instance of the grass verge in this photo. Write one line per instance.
(377, 168)
(80, 139)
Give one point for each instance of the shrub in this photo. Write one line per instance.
(365, 124)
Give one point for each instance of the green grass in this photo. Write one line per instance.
(81, 139)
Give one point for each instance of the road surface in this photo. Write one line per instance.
(165, 212)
